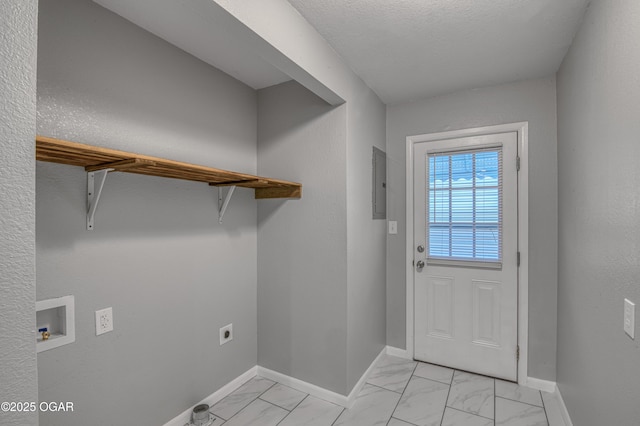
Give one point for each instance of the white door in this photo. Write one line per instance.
(466, 244)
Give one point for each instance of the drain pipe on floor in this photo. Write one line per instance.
(200, 416)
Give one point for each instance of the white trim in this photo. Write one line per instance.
(303, 386)
(557, 413)
(351, 399)
(311, 389)
(563, 408)
(541, 385)
(65, 331)
(523, 247)
(400, 353)
(409, 247)
(554, 398)
(185, 416)
(317, 391)
(522, 128)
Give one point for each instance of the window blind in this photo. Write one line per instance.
(465, 206)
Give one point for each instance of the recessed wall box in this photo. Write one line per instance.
(58, 318)
(379, 190)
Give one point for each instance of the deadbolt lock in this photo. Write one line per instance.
(420, 249)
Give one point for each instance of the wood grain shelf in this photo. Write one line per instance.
(94, 158)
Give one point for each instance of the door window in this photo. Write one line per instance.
(464, 207)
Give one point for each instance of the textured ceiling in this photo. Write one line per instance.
(403, 49)
(411, 49)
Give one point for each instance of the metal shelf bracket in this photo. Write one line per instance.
(222, 205)
(95, 183)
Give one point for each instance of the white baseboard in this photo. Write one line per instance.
(317, 391)
(542, 385)
(363, 379)
(400, 353)
(311, 389)
(563, 409)
(553, 401)
(185, 416)
(303, 386)
(554, 404)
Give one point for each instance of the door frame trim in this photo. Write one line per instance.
(522, 129)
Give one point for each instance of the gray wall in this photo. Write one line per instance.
(355, 288)
(366, 238)
(599, 195)
(18, 377)
(321, 311)
(302, 244)
(158, 256)
(533, 101)
(321, 269)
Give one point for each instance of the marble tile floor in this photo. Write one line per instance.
(398, 392)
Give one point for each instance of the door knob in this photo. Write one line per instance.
(420, 264)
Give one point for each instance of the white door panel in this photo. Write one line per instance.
(466, 296)
(440, 305)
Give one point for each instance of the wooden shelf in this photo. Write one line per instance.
(94, 159)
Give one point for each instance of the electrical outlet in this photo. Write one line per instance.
(629, 317)
(226, 334)
(104, 321)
